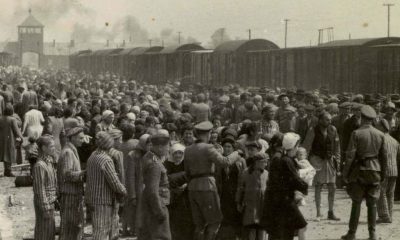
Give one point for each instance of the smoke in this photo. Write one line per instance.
(171, 37)
(219, 36)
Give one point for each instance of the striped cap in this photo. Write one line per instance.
(104, 140)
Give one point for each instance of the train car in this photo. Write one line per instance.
(101, 61)
(171, 64)
(230, 61)
(345, 65)
(201, 68)
(79, 61)
(137, 62)
(387, 68)
(120, 61)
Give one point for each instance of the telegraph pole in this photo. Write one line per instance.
(249, 34)
(179, 38)
(286, 22)
(388, 5)
(150, 42)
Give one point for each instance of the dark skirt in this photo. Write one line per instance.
(281, 216)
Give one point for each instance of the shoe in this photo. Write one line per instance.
(383, 220)
(331, 216)
(349, 236)
(372, 236)
(9, 174)
(319, 217)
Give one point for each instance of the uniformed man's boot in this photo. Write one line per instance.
(353, 223)
(372, 221)
(349, 236)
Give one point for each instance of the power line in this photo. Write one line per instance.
(388, 5)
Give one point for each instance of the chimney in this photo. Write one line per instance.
(54, 43)
(72, 44)
(123, 43)
(108, 43)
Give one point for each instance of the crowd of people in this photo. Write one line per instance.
(177, 161)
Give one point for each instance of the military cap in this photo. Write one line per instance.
(388, 106)
(345, 105)
(356, 105)
(204, 126)
(368, 112)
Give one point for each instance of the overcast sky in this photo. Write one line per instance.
(200, 18)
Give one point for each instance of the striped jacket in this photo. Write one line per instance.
(393, 155)
(102, 182)
(69, 171)
(44, 183)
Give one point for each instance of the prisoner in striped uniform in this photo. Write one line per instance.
(45, 190)
(103, 187)
(70, 178)
(386, 198)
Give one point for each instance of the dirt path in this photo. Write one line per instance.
(17, 221)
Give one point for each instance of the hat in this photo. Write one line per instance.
(290, 140)
(224, 99)
(356, 105)
(73, 131)
(204, 126)
(388, 106)
(309, 107)
(131, 116)
(143, 141)
(161, 137)
(368, 112)
(230, 132)
(104, 140)
(107, 113)
(345, 105)
(268, 108)
(260, 157)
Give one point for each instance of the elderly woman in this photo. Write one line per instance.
(180, 214)
(106, 123)
(9, 133)
(279, 198)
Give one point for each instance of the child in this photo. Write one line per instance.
(306, 172)
(250, 196)
(31, 152)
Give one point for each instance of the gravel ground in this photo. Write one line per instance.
(17, 219)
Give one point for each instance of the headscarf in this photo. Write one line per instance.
(104, 141)
(290, 140)
(107, 113)
(174, 148)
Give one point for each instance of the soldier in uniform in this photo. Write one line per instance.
(364, 170)
(70, 176)
(200, 159)
(156, 195)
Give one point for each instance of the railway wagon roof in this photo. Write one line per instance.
(361, 42)
(104, 52)
(182, 48)
(246, 45)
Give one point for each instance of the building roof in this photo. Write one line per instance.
(361, 42)
(246, 45)
(31, 21)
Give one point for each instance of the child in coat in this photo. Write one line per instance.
(250, 196)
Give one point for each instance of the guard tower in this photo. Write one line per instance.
(30, 42)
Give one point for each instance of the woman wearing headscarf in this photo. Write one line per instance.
(283, 181)
(227, 183)
(106, 123)
(179, 209)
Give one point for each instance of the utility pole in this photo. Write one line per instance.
(222, 34)
(286, 22)
(388, 5)
(162, 42)
(319, 36)
(179, 38)
(150, 42)
(249, 34)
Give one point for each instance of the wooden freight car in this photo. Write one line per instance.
(345, 65)
(137, 62)
(201, 68)
(79, 61)
(171, 64)
(230, 62)
(120, 61)
(102, 60)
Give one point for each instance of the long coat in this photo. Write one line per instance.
(8, 131)
(279, 198)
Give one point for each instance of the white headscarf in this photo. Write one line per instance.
(290, 140)
(174, 148)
